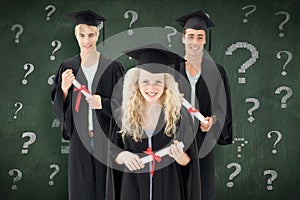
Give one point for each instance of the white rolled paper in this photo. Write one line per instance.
(198, 115)
(78, 85)
(160, 153)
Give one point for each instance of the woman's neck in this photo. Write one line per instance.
(150, 115)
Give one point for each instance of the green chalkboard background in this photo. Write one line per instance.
(263, 77)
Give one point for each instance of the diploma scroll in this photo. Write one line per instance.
(160, 153)
(195, 112)
(78, 85)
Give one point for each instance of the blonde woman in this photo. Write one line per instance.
(85, 121)
(152, 119)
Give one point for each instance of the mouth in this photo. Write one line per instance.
(151, 94)
(87, 46)
(195, 48)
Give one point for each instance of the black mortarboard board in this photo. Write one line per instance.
(87, 17)
(155, 58)
(196, 20)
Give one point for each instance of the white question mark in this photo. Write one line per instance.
(56, 170)
(289, 93)
(238, 169)
(243, 143)
(52, 10)
(287, 18)
(133, 19)
(21, 29)
(55, 123)
(255, 107)
(279, 137)
(30, 68)
(12, 172)
(65, 149)
(249, 62)
(245, 20)
(271, 179)
(32, 138)
(57, 45)
(51, 80)
(174, 32)
(20, 106)
(288, 60)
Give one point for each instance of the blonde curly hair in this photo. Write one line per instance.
(132, 105)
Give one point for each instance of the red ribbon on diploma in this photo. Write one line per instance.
(78, 99)
(192, 110)
(154, 157)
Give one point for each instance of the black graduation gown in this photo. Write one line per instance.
(213, 98)
(87, 176)
(170, 180)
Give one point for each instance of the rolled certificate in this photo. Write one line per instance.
(194, 112)
(160, 153)
(78, 85)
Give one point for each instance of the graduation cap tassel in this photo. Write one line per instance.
(209, 40)
(103, 34)
(177, 65)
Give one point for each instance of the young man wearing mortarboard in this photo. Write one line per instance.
(85, 121)
(210, 90)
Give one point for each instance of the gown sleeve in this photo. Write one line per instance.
(226, 133)
(110, 78)
(190, 172)
(114, 173)
(191, 175)
(61, 107)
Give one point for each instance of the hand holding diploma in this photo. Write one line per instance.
(160, 153)
(86, 93)
(193, 111)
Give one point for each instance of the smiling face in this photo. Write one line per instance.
(194, 41)
(151, 86)
(87, 37)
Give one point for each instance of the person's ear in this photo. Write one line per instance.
(97, 33)
(183, 38)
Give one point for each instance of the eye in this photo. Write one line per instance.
(159, 82)
(143, 82)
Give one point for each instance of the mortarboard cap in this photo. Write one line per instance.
(197, 20)
(87, 17)
(154, 58)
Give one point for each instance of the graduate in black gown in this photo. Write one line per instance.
(152, 119)
(209, 92)
(84, 120)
